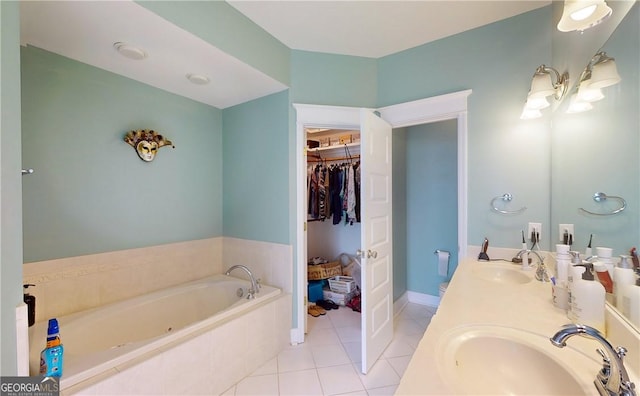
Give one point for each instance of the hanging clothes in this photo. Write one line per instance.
(334, 192)
(356, 167)
(351, 196)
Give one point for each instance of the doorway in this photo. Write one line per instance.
(425, 207)
(444, 107)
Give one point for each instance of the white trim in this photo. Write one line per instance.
(423, 299)
(399, 304)
(423, 111)
(297, 336)
(434, 109)
(319, 117)
(437, 108)
(22, 339)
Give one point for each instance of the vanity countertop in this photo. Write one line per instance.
(471, 301)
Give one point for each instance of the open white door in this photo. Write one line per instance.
(376, 251)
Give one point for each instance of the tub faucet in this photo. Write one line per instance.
(612, 379)
(541, 269)
(255, 288)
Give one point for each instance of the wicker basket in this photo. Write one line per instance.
(324, 271)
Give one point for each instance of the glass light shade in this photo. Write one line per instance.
(537, 103)
(541, 85)
(583, 14)
(604, 74)
(528, 114)
(578, 106)
(587, 93)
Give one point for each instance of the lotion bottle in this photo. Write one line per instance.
(622, 276)
(563, 261)
(588, 300)
(573, 276)
(631, 302)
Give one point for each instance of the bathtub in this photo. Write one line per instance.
(106, 340)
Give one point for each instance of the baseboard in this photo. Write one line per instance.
(399, 304)
(423, 299)
(297, 336)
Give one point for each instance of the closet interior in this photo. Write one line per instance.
(333, 218)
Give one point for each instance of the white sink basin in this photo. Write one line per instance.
(505, 361)
(501, 274)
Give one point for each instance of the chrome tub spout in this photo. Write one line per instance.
(255, 285)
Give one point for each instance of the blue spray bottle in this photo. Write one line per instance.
(51, 357)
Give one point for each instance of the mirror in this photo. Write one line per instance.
(597, 150)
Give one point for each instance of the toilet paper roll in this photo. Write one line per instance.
(443, 263)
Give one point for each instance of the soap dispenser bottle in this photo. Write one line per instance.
(631, 301)
(31, 303)
(622, 276)
(588, 299)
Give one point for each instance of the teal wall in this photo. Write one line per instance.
(505, 154)
(336, 80)
(90, 192)
(10, 178)
(431, 202)
(256, 170)
(399, 199)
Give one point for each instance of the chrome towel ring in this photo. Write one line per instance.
(506, 198)
(602, 197)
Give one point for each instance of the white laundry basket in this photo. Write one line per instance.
(351, 267)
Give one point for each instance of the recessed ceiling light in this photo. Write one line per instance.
(129, 51)
(198, 79)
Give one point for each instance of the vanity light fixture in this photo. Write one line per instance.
(604, 72)
(586, 91)
(577, 105)
(129, 51)
(543, 86)
(581, 15)
(601, 72)
(198, 79)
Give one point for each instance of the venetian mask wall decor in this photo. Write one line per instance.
(146, 142)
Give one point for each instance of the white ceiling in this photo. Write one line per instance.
(374, 28)
(86, 31)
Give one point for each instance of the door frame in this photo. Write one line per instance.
(422, 111)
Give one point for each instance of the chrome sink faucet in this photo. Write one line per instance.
(255, 285)
(612, 379)
(541, 269)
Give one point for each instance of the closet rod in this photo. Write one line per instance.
(353, 157)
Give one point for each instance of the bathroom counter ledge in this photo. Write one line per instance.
(471, 300)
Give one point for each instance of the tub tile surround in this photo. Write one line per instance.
(231, 352)
(74, 284)
(270, 262)
(470, 300)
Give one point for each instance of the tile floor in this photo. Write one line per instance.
(328, 363)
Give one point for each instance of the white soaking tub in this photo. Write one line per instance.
(106, 340)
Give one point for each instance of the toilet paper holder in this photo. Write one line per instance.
(443, 266)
